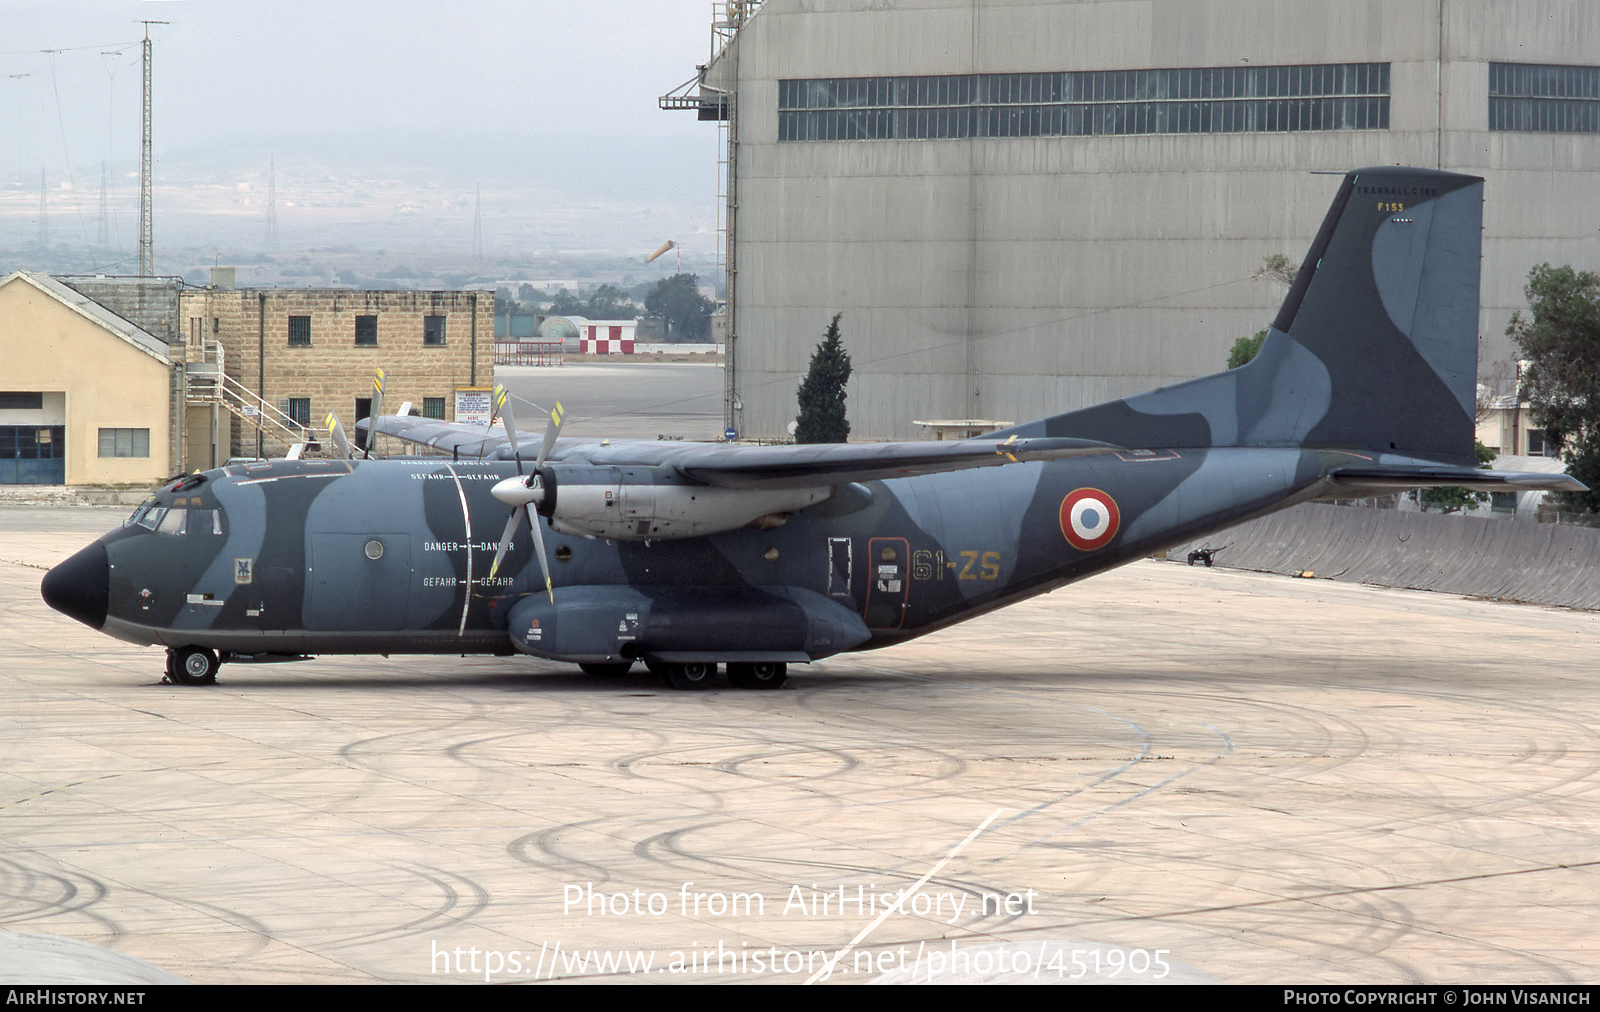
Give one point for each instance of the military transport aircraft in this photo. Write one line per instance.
(690, 556)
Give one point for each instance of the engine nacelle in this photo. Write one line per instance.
(649, 504)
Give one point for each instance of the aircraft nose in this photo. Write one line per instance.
(81, 586)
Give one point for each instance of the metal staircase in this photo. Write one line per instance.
(207, 383)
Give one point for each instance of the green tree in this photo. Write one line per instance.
(1560, 338)
(1274, 267)
(1450, 498)
(1277, 267)
(566, 303)
(1245, 348)
(608, 302)
(822, 416)
(678, 300)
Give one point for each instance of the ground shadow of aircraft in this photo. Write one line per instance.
(690, 556)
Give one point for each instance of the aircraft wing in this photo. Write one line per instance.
(752, 467)
(760, 467)
(461, 440)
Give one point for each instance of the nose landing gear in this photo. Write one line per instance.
(192, 666)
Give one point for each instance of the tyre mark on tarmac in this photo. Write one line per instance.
(32, 894)
(449, 911)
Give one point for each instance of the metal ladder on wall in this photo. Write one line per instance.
(207, 383)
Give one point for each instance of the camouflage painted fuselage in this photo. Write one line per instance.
(393, 556)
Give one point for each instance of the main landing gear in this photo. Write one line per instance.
(759, 675)
(192, 666)
(694, 675)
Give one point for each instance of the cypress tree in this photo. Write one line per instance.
(822, 417)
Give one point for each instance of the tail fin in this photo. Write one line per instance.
(1374, 349)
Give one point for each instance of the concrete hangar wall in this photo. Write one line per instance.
(1024, 207)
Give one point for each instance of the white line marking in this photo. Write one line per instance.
(827, 969)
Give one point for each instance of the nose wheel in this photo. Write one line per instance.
(192, 666)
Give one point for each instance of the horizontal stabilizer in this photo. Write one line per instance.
(1371, 480)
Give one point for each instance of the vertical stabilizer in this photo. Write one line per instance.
(1374, 349)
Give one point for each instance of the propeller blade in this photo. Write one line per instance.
(336, 433)
(557, 417)
(377, 409)
(537, 529)
(502, 409)
(505, 540)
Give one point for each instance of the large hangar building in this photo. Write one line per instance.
(1028, 206)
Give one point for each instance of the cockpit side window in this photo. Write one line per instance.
(176, 520)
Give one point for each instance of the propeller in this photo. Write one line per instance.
(377, 409)
(336, 433)
(519, 492)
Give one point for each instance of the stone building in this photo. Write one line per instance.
(294, 355)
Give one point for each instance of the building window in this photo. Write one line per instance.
(1547, 99)
(433, 330)
(1345, 96)
(433, 407)
(299, 330)
(124, 442)
(21, 400)
(299, 409)
(1539, 446)
(32, 442)
(366, 330)
(1503, 502)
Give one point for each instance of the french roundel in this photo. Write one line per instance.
(1089, 519)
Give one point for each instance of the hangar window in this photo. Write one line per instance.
(433, 330)
(299, 330)
(24, 400)
(433, 407)
(1544, 99)
(1346, 96)
(299, 409)
(124, 442)
(366, 330)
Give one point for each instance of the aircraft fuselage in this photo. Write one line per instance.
(392, 556)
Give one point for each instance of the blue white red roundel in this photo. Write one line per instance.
(1089, 519)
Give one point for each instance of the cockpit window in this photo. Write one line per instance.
(176, 520)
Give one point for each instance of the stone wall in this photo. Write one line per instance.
(331, 370)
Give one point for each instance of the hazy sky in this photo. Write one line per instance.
(555, 102)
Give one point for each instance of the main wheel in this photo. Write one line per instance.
(760, 675)
(693, 675)
(192, 666)
(616, 670)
